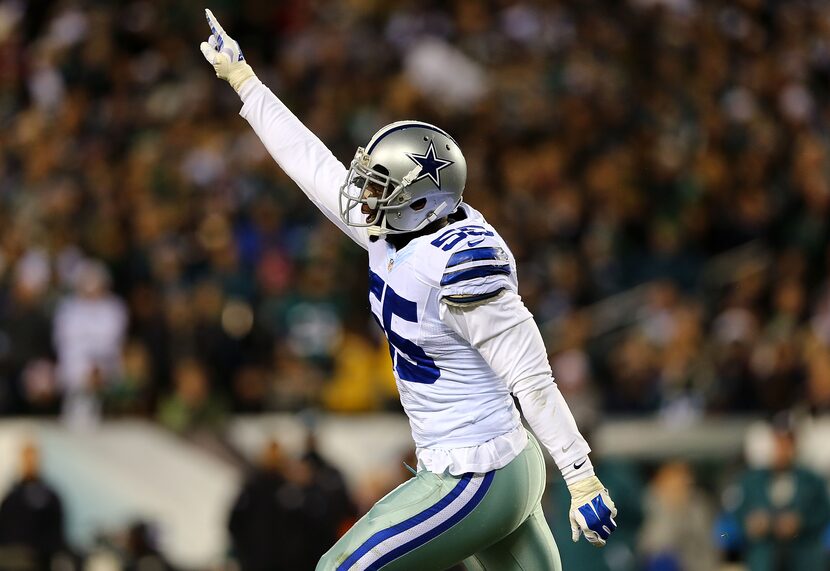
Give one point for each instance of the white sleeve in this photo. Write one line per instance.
(504, 333)
(298, 152)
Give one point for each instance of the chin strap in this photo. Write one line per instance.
(435, 214)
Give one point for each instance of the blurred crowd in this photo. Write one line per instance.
(675, 515)
(154, 260)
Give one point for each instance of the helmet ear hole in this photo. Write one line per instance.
(381, 169)
(418, 204)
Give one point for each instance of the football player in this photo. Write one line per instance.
(443, 287)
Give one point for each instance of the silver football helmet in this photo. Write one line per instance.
(410, 174)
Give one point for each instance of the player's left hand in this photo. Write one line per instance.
(224, 54)
(592, 511)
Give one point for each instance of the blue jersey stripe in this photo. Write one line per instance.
(473, 298)
(476, 254)
(437, 530)
(375, 285)
(472, 273)
(382, 535)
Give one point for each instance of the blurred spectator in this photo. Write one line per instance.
(141, 552)
(89, 331)
(635, 389)
(250, 389)
(676, 533)
(150, 329)
(573, 368)
(257, 521)
(362, 378)
(783, 510)
(310, 317)
(130, 391)
(26, 357)
(192, 406)
(288, 512)
(340, 509)
(817, 395)
(296, 381)
(31, 514)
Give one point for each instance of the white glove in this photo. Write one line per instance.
(592, 511)
(224, 54)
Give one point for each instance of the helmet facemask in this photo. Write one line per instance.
(361, 187)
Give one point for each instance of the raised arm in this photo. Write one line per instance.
(296, 150)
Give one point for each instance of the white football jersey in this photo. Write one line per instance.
(449, 392)
(461, 411)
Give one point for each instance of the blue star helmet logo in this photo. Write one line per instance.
(431, 164)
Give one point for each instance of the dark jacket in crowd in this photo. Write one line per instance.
(796, 491)
(31, 516)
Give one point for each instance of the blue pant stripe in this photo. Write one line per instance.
(437, 530)
(406, 524)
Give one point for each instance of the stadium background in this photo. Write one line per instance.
(174, 312)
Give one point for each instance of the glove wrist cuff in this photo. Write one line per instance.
(585, 488)
(239, 74)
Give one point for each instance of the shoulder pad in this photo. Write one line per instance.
(478, 262)
(473, 263)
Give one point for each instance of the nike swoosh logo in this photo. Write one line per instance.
(475, 242)
(568, 447)
(578, 466)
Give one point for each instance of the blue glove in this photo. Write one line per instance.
(592, 511)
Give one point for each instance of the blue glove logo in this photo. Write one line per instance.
(598, 517)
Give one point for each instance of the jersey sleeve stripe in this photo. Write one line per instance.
(477, 272)
(464, 299)
(476, 254)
